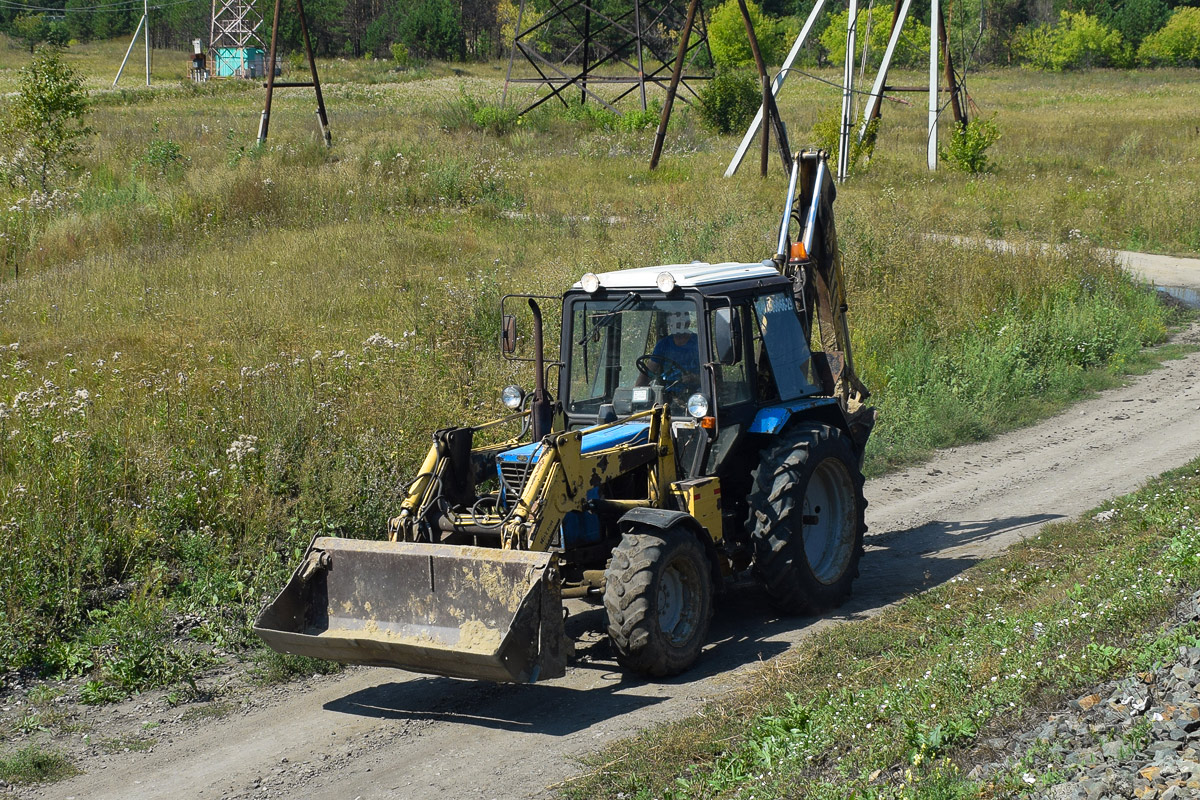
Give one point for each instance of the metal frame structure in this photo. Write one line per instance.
(272, 84)
(937, 37)
(143, 28)
(599, 42)
(235, 24)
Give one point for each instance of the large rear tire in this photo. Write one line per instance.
(806, 520)
(658, 595)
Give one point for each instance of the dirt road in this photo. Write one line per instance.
(376, 733)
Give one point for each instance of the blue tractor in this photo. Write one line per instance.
(708, 432)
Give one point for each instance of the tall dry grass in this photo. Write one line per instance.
(207, 359)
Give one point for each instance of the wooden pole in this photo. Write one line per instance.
(770, 110)
(960, 117)
(265, 122)
(661, 133)
(322, 117)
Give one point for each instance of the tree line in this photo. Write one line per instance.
(1051, 34)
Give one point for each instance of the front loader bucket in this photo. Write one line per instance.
(466, 612)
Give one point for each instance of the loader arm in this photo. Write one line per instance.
(564, 474)
(455, 609)
(814, 265)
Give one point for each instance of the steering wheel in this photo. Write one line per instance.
(670, 371)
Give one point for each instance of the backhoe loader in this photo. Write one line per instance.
(704, 436)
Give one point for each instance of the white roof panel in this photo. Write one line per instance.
(686, 276)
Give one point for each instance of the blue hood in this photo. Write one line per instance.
(627, 433)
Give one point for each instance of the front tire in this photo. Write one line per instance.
(806, 520)
(658, 595)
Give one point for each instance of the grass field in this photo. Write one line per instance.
(213, 350)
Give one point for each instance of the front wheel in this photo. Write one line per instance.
(658, 596)
(806, 520)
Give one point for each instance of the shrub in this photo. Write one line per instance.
(826, 134)
(1177, 44)
(639, 120)
(728, 41)
(466, 111)
(967, 149)
(400, 55)
(163, 155)
(497, 120)
(728, 102)
(912, 50)
(1079, 40)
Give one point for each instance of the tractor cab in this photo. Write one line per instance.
(714, 343)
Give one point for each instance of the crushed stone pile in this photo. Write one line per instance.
(1138, 737)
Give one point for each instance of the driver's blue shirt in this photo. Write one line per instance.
(686, 355)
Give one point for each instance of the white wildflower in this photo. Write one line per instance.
(242, 448)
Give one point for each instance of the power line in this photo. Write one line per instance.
(838, 86)
(7, 4)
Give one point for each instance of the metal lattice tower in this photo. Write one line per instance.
(605, 51)
(235, 25)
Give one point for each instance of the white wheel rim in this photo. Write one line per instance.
(829, 520)
(676, 602)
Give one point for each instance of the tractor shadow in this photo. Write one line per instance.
(900, 563)
(546, 709)
(745, 629)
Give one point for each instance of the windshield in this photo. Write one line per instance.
(632, 353)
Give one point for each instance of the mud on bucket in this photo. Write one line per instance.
(464, 612)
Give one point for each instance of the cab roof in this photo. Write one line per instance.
(695, 274)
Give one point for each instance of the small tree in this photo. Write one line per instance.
(433, 29)
(967, 150)
(1177, 44)
(1079, 40)
(30, 29)
(43, 127)
(912, 48)
(728, 41)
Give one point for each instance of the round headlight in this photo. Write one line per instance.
(590, 282)
(512, 397)
(666, 282)
(697, 405)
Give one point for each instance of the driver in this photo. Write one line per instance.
(678, 350)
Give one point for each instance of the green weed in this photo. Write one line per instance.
(271, 667)
(35, 764)
(968, 146)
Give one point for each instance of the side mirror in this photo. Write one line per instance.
(508, 334)
(727, 336)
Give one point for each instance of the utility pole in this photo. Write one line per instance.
(146, 17)
(960, 117)
(931, 142)
(768, 102)
(843, 165)
(686, 34)
(143, 29)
